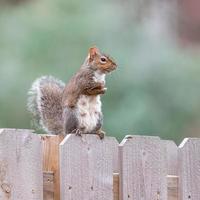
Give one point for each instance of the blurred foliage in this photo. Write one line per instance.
(155, 90)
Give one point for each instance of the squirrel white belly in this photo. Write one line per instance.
(75, 107)
(89, 113)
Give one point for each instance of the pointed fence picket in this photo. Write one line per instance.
(189, 169)
(20, 165)
(87, 168)
(143, 168)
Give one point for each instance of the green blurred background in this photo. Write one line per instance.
(156, 89)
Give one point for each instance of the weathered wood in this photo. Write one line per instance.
(143, 168)
(116, 186)
(172, 157)
(48, 185)
(172, 187)
(20, 165)
(115, 153)
(88, 164)
(51, 162)
(189, 169)
(87, 167)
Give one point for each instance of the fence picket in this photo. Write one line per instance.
(50, 144)
(143, 168)
(87, 167)
(20, 165)
(189, 169)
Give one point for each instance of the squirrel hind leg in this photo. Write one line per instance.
(70, 120)
(101, 134)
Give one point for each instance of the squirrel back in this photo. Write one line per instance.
(45, 104)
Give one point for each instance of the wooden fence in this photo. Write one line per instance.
(49, 167)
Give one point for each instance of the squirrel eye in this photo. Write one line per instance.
(103, 59)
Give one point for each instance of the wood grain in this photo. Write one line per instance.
(172, 157)
(50, 145)
(143, 168)
(116, 186)
(48, 185)
(189, 169)
(20, 165)
(172, 187)
(87, 167)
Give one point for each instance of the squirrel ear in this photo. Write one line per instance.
(93, 51)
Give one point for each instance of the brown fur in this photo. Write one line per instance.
(53, 104)
(82, 82)
(50, 95)
(45, 104)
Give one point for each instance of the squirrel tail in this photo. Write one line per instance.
(45, 104)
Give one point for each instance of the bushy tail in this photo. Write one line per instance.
(44, 103)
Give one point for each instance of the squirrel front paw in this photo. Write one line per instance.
(104, 89)
(96, 91)
(77, 132)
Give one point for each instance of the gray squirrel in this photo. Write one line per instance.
(76, 106)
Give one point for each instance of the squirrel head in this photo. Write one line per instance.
(99, 61)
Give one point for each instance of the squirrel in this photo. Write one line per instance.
(76, 106)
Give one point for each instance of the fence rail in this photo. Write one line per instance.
(49, 167)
